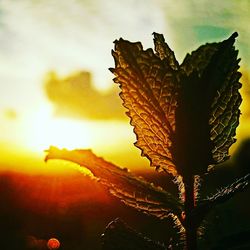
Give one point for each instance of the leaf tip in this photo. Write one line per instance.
(234, 35)
(112, 70)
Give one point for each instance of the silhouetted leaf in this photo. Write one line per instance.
(133, 191)
(221, 196)
(227, 192)
(217, 67)
(208, 107)
(119, 236)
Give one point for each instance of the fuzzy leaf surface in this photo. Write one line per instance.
(184, 117)
(119, 236)
(131, 190)
(149, 92)
(221, 196)
(228, 192)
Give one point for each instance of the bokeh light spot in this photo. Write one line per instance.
(53, 243)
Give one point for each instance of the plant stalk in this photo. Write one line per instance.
(189, 205)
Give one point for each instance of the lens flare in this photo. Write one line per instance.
(53, 243)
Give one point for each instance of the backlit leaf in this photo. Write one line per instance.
(119, 236)
(227, 192)
(222, 195)
(149, 92)
(176, 109)
(133, 191)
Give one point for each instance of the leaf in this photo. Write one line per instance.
(217, 68)
(131, 190)
(184, 117)
(227, 192)
(225, 112)
(208, 107)
(221, 196)
(119, 236)
(149, 92)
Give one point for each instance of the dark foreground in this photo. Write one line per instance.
(75, 210)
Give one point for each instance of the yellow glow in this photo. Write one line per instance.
(25, 138)
(42, 129)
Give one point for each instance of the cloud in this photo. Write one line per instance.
(38, 36)
(75, 96)
(73, 34)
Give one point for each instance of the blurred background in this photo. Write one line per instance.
(55, 89)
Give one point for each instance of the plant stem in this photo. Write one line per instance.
(191, 228)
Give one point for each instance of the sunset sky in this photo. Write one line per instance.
(67, 37)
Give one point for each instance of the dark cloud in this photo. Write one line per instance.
(75, 96)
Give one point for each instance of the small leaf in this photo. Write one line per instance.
(221, 196)
(119, 236)
(227, 192)
(133, 191)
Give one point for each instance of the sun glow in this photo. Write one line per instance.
(29, 134)
(44, 129)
